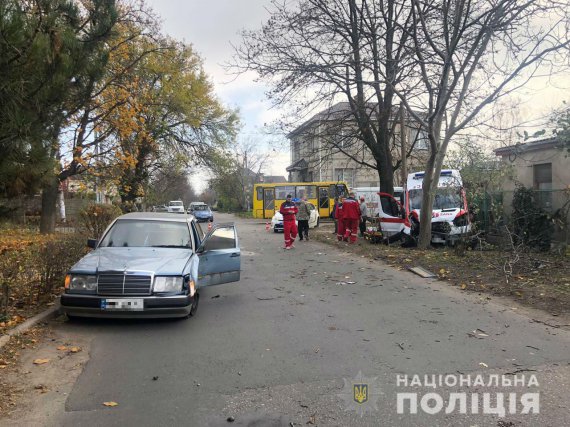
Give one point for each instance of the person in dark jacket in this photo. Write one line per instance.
(303, 218)
(363, 216)
(333, 215)
(289, 209)
(339, 216)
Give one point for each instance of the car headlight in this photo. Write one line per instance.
(168, 284)
(81, 283)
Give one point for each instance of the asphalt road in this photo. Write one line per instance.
(276, 348)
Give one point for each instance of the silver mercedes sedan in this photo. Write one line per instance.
(150, 264)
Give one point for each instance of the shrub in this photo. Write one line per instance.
(95, 218)
(531, 224)
(32, 266)
(54, 258)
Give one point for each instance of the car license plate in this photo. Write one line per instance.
(127, 304)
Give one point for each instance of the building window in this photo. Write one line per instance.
(543, 183)
(346, 175)
(296, 150)
(543, 176)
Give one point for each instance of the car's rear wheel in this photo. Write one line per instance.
(318, 221)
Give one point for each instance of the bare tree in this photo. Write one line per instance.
(325, 52)
(235, 171)
(470, 53)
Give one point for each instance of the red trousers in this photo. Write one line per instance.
(341, 228)
(289, 232)
(351, 229)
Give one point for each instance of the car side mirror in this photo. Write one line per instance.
(92, 243)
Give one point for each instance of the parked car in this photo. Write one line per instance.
(203, 213)
(176, 206)
(277, 220)
(160, 208)
(193, 206)
(151, 265)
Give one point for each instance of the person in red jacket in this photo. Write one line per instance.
(289, 209)
(351, 214)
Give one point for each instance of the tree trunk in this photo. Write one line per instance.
(427, 204)
(61, 205)
(386, 175)
(49, 206)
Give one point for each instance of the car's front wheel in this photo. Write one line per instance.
(194, 307)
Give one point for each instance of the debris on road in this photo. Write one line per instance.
(478, 333)
(422, 272)
(110, 404)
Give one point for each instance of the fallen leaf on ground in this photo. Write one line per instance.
(111, 404)
(40, 361)
(484, 365)
(62, 348)
(463, 286)
(75, 349)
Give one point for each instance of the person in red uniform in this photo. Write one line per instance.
(289, 209)
(351, 214)
(339, 216)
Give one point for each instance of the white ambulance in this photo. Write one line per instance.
(450, 215)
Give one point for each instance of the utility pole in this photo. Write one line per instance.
(404, 165)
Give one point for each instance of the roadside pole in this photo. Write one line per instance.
(404, 165)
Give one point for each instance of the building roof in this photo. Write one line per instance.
(540, 144)
(274, 179)
(338, 111)
(297, 166)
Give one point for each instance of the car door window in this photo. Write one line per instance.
(221, 238)
(196, 235)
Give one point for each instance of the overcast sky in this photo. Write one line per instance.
(212, 27)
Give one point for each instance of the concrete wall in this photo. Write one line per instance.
(523, 168)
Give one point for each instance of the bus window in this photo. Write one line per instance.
(339, 190)
(282, 191)
(259, 193)
(310, 191)
(323, 198)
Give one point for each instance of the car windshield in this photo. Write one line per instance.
(445, 198)
(175, 204)
(148, 233)
(201, 208)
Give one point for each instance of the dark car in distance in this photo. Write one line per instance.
(203, 213)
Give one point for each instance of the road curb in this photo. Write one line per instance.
(44, 315)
